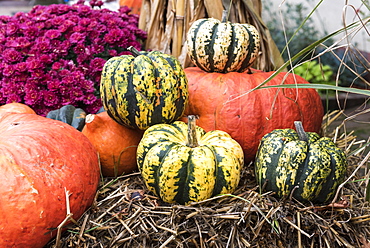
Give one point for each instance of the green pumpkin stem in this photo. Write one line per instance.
(192, 132)
(134, 51)
(302, 135)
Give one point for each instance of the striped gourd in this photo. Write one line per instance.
(145, 89)
(216, 46)
(182, 163)
(300, 164)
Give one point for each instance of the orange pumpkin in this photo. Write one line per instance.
(42, 161)
(115, 144)
(16, 107)
(135, 5)
(222, 102)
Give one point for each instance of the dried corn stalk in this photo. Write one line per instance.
(167, 23)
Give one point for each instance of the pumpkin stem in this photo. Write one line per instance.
(192, 132)
(134, 51)
(224, 16)
(302, 135)
(226, 13)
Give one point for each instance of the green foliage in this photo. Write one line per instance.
(283, 27)
(316, 73)
(294, 31)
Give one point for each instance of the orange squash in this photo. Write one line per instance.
(135, 5)
(224, 101)
(41, 162)
(115, 144)
(16, 107)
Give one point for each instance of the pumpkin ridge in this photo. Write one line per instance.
(182, 195)
(248, 61)
(209, 49)
(152, 181)
(231, 54)
(200, 165)
(313, 177)
(181, 86)
(159, 88)
(194, 53)
(219, 175)
(111, 76)
(130, 98)
(337, 172)
(169, 179)
(140, 96)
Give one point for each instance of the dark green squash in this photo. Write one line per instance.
(182, 163)
(69, 114)
(300, 164)
(145, 89)
(222, 46)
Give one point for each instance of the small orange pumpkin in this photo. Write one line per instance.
(115, 144)
(135, 5)
(16, 107)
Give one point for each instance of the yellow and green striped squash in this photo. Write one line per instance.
(308, 170)
(145, 89)
(216, 46)
(179, 173)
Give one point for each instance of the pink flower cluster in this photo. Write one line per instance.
(54, 55)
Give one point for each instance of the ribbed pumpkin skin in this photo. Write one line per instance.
(40, 158)
(216, 46)
(116, 144)
(16, 107)
(178, 173)
(283, 161)
(214, 98)
(141, 91)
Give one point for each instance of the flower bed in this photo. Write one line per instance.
(53, 55)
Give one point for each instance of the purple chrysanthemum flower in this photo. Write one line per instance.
(54, 55)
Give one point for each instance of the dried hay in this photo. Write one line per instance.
(125, 214)
(167, 23)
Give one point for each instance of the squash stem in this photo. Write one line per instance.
(302, 135)
(192, 132)
(226, 13)
(224, 16)
(134, 51)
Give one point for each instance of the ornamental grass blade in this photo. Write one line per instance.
(321, 86)
(304, 51)
(301, 25)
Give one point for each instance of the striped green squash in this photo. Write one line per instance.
(216, 46)
(300, 164)
(69, 114)
(144, 89)
(182, 163)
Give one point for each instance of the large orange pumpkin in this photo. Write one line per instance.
(222, 102)
(115, 144)
(16, 107)
(42, 160)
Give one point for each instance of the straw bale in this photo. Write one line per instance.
(125, 214)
